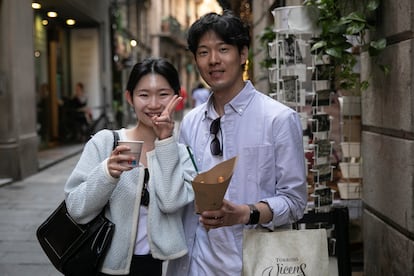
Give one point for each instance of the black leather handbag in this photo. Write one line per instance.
(75, 249)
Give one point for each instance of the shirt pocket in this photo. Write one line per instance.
(256, 170)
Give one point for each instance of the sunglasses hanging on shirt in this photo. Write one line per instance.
(215, 146)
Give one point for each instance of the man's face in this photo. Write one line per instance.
(219, 63)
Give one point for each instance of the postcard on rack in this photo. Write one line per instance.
(211, 186)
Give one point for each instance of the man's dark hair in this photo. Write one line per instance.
(230, 28)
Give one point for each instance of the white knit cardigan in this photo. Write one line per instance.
(89, 188)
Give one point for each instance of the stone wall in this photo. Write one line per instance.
(388, 147)
(18, 137)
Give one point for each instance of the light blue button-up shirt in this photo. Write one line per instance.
(266, 136)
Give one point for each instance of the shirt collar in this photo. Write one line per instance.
(238, 104)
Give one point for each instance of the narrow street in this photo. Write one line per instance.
(24, 205)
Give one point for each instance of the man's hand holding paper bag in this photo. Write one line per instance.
(210, 188)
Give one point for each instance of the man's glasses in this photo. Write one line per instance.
(215, 146)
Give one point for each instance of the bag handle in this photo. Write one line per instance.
(116, 139)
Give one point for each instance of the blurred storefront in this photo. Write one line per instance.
(95, 42)
(70, 48)
(44, 57)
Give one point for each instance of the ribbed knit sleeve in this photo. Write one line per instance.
(170, 191)
(88, 188)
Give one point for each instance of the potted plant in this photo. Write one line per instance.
(266, 39)
(344, 28)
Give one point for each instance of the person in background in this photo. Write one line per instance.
(268, 187)
(179, 110)
(146, 202)
(42, 111)
(79, 113)
(200, 95)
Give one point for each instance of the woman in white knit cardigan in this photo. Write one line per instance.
(145, 202)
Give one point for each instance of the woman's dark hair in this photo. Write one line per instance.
(154, 66)
(230, 28)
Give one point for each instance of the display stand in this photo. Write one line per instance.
(302, 80)
(322, 145)
(294, 28)
(322, 169)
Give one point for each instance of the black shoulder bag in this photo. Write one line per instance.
(76, 249)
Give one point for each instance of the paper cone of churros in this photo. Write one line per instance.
(210, 186)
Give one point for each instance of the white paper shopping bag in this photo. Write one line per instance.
(285, 252)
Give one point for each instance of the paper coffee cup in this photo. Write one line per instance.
(136, 147)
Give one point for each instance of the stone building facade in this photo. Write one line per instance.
(387, 140)
(388, 148)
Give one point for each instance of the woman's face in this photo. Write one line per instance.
(150, 97)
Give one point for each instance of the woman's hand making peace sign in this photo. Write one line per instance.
(164, 124)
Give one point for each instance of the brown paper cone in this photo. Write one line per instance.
(210, 186)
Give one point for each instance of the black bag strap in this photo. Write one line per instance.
(116, 139)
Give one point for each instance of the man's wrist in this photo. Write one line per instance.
(254, 215)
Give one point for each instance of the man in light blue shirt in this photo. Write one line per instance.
(200, 95)
(268, 186)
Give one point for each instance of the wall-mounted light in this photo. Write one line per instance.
(133, 43)
(45, 22)
(70, 22)
(52, 14)
(37, 53)
(36, 6)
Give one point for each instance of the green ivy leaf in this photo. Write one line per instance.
(335, 52)
(379, 44)
(318, 45)
(373, 5)
(385, 68)
(364, 85)
(376, 47)
(355, 16)
(355, 28)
